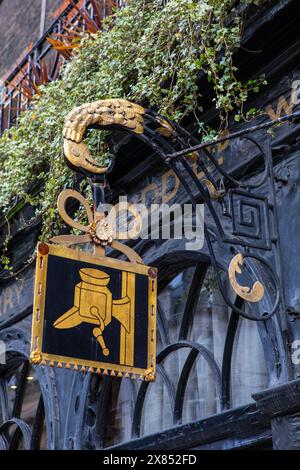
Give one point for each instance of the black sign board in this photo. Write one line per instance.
(94, 313)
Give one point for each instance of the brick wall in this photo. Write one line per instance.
(20, 27)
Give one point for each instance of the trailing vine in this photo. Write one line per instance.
(151, 51)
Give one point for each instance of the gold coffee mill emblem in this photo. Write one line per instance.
(93, 301)
(93, 304)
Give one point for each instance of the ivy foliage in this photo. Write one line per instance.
(151, 51)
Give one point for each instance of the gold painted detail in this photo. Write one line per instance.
(100, 233)
(150, 375)
(103, 113)
(77, 366)
(97, 231)
(213, 192)
(165, 128)
(36, 357)
(251, 294)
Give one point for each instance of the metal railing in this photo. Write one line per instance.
(13, 99)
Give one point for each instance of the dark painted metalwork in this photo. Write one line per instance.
(228, 348)
(238, 428)
(38, 425)
(193, 296)
(14, 430)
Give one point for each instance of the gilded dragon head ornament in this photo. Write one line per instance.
(102, 113)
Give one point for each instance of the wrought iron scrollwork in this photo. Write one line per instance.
(22, 411)
(15, 432)
(253, 216)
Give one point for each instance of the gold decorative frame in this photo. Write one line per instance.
(39, 357)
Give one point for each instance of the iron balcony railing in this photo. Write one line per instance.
(13, 96)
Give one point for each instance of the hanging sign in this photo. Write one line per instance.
(91, 312)
(95, 314)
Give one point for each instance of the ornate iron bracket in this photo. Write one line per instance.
(252, 213)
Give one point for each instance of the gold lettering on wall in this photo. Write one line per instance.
(167, 196)
(282, 105)
(11, 298)
(151, 188)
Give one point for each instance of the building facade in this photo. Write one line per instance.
(228, 372)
